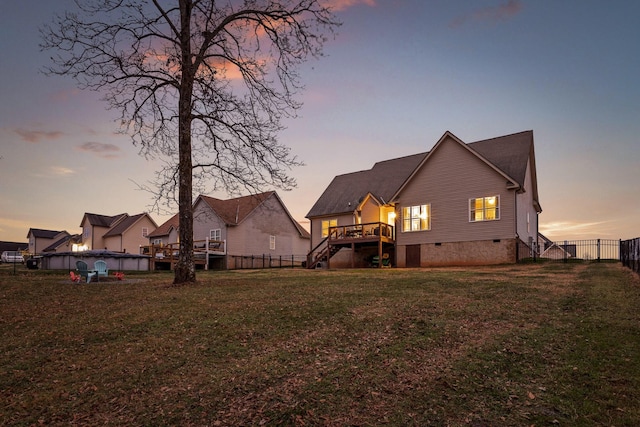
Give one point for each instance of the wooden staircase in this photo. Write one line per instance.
(322, 255)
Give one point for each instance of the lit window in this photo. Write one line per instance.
(326, 224)
(272, 242)
(215, 234)
(416, 218)
(484, 209)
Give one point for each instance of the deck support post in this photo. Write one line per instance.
(353, 255)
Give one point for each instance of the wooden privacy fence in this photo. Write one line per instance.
(630, 254)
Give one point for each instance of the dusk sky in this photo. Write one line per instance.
(397, 76)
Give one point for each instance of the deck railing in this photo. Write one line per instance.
(168, 253)
(371, 230)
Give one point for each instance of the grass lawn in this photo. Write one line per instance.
(538, 344)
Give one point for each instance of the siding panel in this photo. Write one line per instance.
(450, 177)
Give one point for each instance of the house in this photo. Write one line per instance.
(255, 225)
(118, 233)
(166, 233)
(458, 204)
(40, 240)
(552, 250)
(64, 244)
(13, 246)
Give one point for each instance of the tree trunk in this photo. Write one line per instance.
(185, 271)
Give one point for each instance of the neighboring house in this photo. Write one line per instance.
(119, 233)
(64, 244)
(459, 204)
(166, 233)
(40, 240)
(555, 250)
(13, 246)
(250, 225)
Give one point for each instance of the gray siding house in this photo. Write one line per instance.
(458, 204)
(255, 225)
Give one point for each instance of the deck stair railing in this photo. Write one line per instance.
(320, 253)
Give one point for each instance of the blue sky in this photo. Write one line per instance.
(397, 76)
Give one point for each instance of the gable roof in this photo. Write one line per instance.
(165, 229)
(490, 148)
(13, 246)
(345, 192)
(508, 155)
(97, 220)
(44, 234)
(126, 223)
(233, 211)
(74, 238)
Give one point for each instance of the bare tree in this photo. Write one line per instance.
(202, 84)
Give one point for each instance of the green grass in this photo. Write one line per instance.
(536, 344)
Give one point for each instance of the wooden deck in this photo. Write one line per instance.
(354, 236)
(166, 256)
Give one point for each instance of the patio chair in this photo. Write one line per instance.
(100, 267)
(386, 261)
(83, 271)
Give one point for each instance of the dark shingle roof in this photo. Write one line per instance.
(74, 238)
(103, 220)
(165, 228)
(44, 234)
(346, 191)
(234, 211)
(508, 153)
(13, 246)
(124, 224)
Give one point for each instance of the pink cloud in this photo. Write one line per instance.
(106, 151)
(339, 5)
(490, 14)
(35, 136)
(64, 95)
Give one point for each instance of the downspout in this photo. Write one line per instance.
(515, 224)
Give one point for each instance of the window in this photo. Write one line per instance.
(272, 242)
(145, 231)
(157, 241)
(416, 218)
(484, 209)
(86, 232)
(215, 234)
(326, 224)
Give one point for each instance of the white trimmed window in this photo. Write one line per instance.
(145, 231)
(215, 234)
(326, 224)
(272, 242)
(416, 218)
(484, 209)
(157, 241)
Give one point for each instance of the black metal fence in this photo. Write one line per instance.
(240, 262)
(571, 250)
(630, 254)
